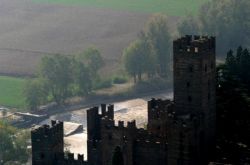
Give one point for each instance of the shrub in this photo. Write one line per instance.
(103, 83)
(119, 80)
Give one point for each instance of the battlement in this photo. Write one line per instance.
(69, 159)
(194, 44)
(130, 124)
(47, 131)
(109, 124)
(106, 111)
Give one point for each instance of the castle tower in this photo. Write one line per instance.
(194, 78)
(194, 75)
(47, 141)
(194, 84)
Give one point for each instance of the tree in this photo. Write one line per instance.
(57, 72)
(238, 66)
(139, 58)
(188, 26)
(35, 93)
(157, 32)
(13, 144)
(233, 90)
(228, 20)
(93, 60)
(245, 66)
(82, 78)
(231, 62)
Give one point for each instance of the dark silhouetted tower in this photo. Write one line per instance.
(194, 85)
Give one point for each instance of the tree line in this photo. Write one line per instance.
(148, 57)
(150, 53)
(233, 103)
(60, 77)
(238, 66)
(228, 20)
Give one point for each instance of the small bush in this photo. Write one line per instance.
(103, 83)
(152, 85)
(119, 80)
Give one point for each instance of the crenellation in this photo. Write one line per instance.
(69, 159)
(131, 124)
(121, 124)
(103, 109)
(70, 156)
(190, 45)
(46, 131)
(110, 112)
(80, 157)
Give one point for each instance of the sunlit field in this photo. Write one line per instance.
(11, 92)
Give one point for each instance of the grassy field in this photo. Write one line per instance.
(67, 29)
(11, 92)
(171, 7)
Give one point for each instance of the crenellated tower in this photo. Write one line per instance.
(194, 75)
(46, 142)
(95, 123)
(194, 88)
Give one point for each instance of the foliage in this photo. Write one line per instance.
(188, 25)
(61, 77)
(57, 72)
(139, 58)
(157, 32)
(93, 60)
(150, 54)
(119, 79)
(233, 105)
(238, 66)
(82, 78)
(13, 144)
(170, 7)
(228, 20)
(102, 83)
(154, 84)
(35, 92)
(11, 92)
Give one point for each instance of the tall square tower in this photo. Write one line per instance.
(194, 75)
(195, 83)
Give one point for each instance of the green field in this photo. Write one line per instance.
(171, 7)
(11, 92)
